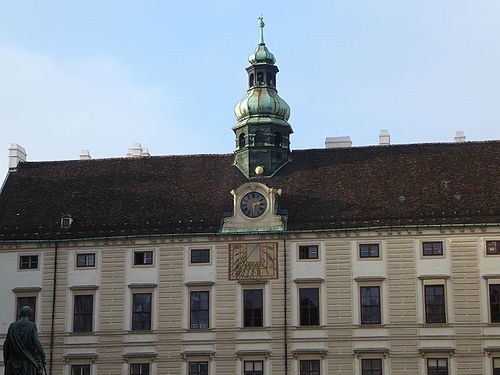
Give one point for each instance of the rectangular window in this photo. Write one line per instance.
(492, 247)
(141, 312)
(200, 256)
(82, 313)
(495, 303)
(85, 260)
(28, 262)
(139, 369)
(142, 258)
(199, 302)
(371, 366)
(26, 301)
(252, 308)
(309, 367)
(370, 305)
(432, 248)
(309, 306)
(80, 369)
(253, 368)
(308, 252)
(369, 250)
(198, 368)
(496, 366)
(435, 311)
(437, 366)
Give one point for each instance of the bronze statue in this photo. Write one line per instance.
(22, 351)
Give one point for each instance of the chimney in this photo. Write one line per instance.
(459, 136)
(145, 152)
(338, 142)
(135, 151)
(17, 154)
(85, 155)
(384, 138)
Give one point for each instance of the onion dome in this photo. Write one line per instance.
(261, 54)
(263, 103)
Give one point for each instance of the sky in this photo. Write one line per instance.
(102, 75)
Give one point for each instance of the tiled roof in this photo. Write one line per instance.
(422, 184)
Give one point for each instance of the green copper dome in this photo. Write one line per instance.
(261, 54)
(262, 102)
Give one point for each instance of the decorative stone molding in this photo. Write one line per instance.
(316, 351)
(315, 280)
(24, 289)
(433, 277)
(199, 283)
(384, 352)
(446, 350)
(210, 354)
(83, 287)
(369, 278)
(127, 357)
(92, 357)
(241, 354)
(142, 285)
(491, 350)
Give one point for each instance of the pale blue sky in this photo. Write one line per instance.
(101, 75)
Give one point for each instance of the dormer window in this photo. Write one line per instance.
(242, 140)
(66, 222)
(251, 80)
(260, 79)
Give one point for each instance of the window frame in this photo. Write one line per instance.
(73, 367)
(307, 252)
(85, 266)
(444, 314)
(29, 266)
(144, 263)
(493, 360)
(491, 303)
(253, 309)
(140, 364)
(372, 371)
(437, 370)
(253, 371)
(209, 261)
(150, 312)
(198, 371)
(33, 308)
(362, 305)
(369, 245)
(302, 322)
(191, 311)
(497, 247)
(310, 371)
(433, 250)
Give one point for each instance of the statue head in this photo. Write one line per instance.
(25, 311)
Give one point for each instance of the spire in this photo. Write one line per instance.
(262, 129)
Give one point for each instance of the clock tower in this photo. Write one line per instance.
(262, 129)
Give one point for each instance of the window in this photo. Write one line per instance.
(309, 306)
(253, 368)
(432, 248)
(85, 260)
(260, 78)
(250, 80)
(80, 369)
(371, 366)
(198, 368)
(434, 304)
(369, 250)
(82, 313)
(495, 303)
(496, 366)
(259, 138)
(270, 78)
(26, 301)
(278, 139)
(308, 252)
(200, 256)
(139, 369)
(252, 308)
(241, 140)
(370, 304)
(199, 309)
(437, 366)
(28, 262)
(309, 367)
(492, 247)
(141, 311)
(143, 258)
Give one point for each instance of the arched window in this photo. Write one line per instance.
(260, 78)
(278, 139)
(270, 79)
(259, 138)
(241, 140)
(250, 80)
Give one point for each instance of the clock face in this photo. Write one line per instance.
(253, 204)
(253, 261)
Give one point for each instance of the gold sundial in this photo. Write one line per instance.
(253, 261)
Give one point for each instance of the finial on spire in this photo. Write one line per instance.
(261, 26)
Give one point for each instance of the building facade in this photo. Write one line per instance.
(367, 260)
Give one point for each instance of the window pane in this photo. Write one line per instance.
(435, 304)
(310, 367)
(370, 305)
(26, 301)
(80, 370)
(199, 309)
(437, 366)
(253, 368)
(139, 369)
(495, 303)
(308, 252)
(82, 315)
(143, 257)
(371, 366)
(85, 260)
(252, 308)
(28, 262)
(369, 250)
(432, 248)
(198, 368)
(309, 306)
(141, 312)
(493, 247)
(200, 256)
